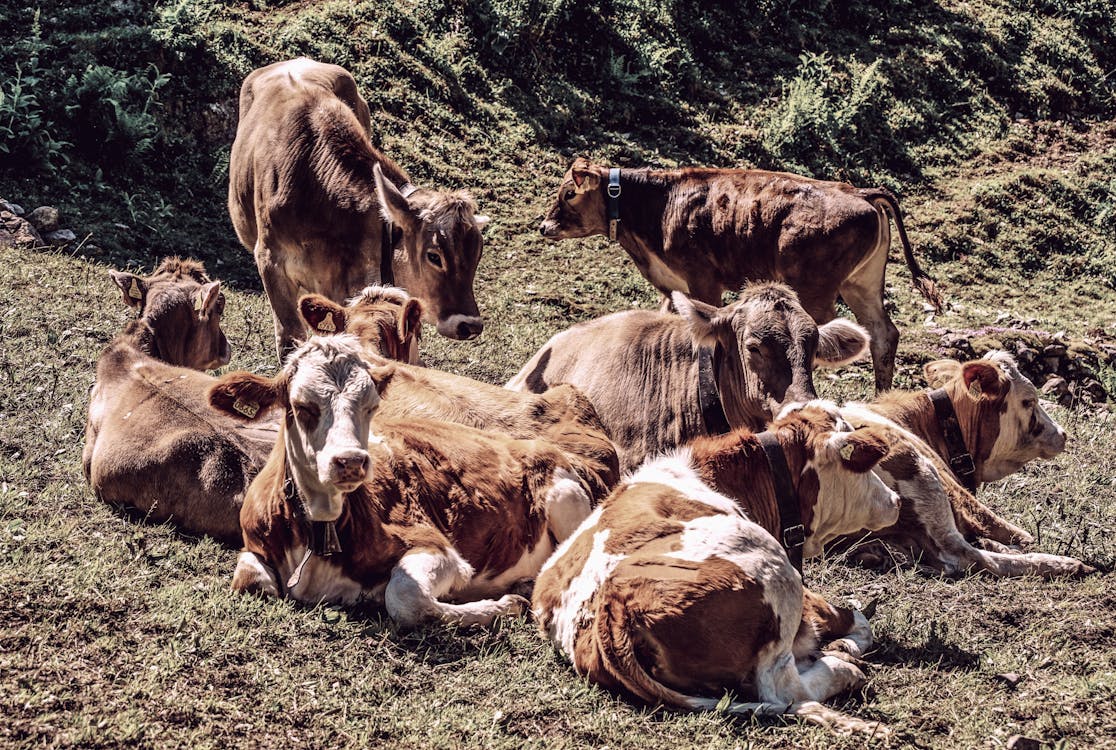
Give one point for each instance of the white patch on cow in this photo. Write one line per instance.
(420, 578)
(250, 569)
(858, 640)
(573, 612)
(847, 501)
(450, 324)
(297, 68)
(590, 521)
(320, 579)
(567, 504)
(676, 470)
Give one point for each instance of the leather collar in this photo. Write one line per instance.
(709, 395)
(387, 253)
(792, 534)
(613, 202)
(960, 461)
(324, 541)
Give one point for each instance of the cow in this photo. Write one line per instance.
(386, 320)
(659, 380)
(152, 443)
(675, 590)
(708, 231)
(420, 512)
(324, 211)
(1000, 426)
(561, 415)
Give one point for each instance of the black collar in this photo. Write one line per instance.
(613, 202)
(387, 254)
(958, 457)
(791, 531)
(324, 541)
(709, 396)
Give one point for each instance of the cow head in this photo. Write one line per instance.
(770, 346)
(181, 308)
(330, 394)
(1002, 422)
(438, 252)
(386, 320)
(579, 209)
(848, 496)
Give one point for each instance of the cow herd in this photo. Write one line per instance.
(647, 485)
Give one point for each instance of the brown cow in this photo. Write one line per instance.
(427, 511)
(1002, 426)
(561, 415)
(642, 370)
(708, 231)
(669, 592)
(152, 443)
(309, 196)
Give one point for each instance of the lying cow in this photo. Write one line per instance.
(708, 231)
(987, 425)
(658, 380)
(317, 204)
(561, 415)
(426, 511)
(669, 592)
(152, 443)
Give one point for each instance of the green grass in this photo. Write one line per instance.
(990, 119)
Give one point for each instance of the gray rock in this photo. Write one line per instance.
(44, 218)
(60, 237)
(18, 232)
(14, 208)
(1055, 386)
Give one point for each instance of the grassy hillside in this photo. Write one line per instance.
(991, 119)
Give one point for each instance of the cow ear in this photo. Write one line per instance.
(243, 394)
(133, 287)
(584, 176)
(394, 208)
(322, 316)
(941, 371)
(410, 320)
(381, 376)
(205, 301)
(702, 317)
(983, 379)
(840, 342)
(860, 450)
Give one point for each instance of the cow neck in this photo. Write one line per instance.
(639, 216)
(957, 454)
(733, 389)
(387, 241)
(709, 394)
(321, 535)
(792, 533)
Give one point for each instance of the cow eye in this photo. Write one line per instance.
(570, 194)
(307, 414)
(1028, 403)
(435, 259)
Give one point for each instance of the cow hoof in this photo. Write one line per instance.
(514, 605)
(839, 650)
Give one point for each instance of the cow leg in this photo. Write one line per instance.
(824, 621)
(863, 292)
(567, 505)
(282, 294)
(424, 575)
(975, 519)
(254, 576)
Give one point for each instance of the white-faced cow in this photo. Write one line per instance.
(984, 421)
(675, 589)
(659, 380)
(433, 519)
(708, 231)
(325, 212)
(152, 442)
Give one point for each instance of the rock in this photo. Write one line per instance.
(1054, 350)
(44, 218)
(60, 237)
(1011, 679)
(1055, 386)
(1019, 742)
(14, 208)
(17, 232)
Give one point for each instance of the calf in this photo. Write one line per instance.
(1000, 426)
(658, 380)
(152, 443)
(323, 211)
(708, 231)
(561, 415)
(675, 590)
(425, 511)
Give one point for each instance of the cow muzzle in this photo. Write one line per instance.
(549, 228)
(461, 327)
(348, 469)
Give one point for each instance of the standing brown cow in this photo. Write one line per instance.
(317, 204)
(708, 231)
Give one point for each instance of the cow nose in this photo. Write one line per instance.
(469, 329)
(547, 228)
(350, 467)
(462, 327)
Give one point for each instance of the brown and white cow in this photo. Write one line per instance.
(675, 589)
(316, 203)
(708, 231)
(561, 415)
(1002, 426)
(425, 511)
(152, 442)
(641, 369)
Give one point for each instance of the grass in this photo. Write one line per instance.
(990, 119)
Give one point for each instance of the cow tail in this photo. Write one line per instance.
(885, 199)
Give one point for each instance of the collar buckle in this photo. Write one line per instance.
(794, 536)
(962, 465)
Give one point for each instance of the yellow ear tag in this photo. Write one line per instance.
(247, 408)
(134, 290)
(846, 451)
(326, 325)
